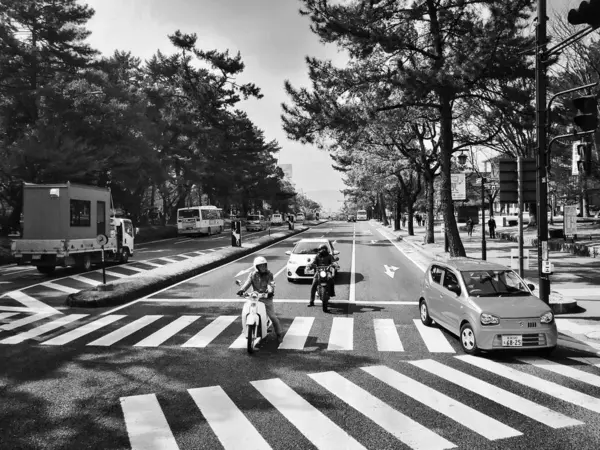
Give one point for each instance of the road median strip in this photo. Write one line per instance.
(139, 285)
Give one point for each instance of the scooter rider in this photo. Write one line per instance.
(323, 258)
(261, 280)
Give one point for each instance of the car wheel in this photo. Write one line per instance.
(467, 339)
(424, 313)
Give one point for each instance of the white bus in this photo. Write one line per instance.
(200, 219)
(361, 214)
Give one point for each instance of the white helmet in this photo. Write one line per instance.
(258, 261)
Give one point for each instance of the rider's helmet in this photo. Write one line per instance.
(260, 264)
(323, 250)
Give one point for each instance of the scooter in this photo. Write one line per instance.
(323, 276)
(255, 322)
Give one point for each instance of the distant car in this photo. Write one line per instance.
(300, 218)
(487, 305)
(303, 254)
(256, 222)
(276, 219)
(351, 218)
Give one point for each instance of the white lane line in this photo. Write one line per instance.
(547, 387)
(183, 242)
(210, 332)
(59, 287)
(7, 315)
(42, 329)
(31, 303)
(297, 333)
(234, 430)
(25, 321)
(563, 370)
(85, 280)
(146, 424)
(434, 339)
(213, 249)
(352, 295)
(280, 270)
(83, 330)
(395, 244)
(386, 335)
(125, 331)
(592, 361)
(503, 397)
(319, 429)
(172, 261)
(406, 430)
(166, 332)
(476, 421)
(342, 334)
(276, 300)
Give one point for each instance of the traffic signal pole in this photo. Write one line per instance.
(542, 179)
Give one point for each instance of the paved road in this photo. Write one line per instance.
(166, 371)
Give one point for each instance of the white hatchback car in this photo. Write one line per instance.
(276, 219)
(303, 254)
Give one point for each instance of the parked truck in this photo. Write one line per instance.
(66, 224)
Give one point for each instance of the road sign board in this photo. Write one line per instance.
(102, 239)
(459, 186)
(570, 220)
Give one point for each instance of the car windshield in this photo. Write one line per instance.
(253, 218)
(307, 248)
(494, 283)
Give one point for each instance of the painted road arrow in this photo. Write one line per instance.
(390, 270)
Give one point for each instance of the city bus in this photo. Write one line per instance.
(361, 214)
(200, 220)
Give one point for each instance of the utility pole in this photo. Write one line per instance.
(542, 180)
(483, 244)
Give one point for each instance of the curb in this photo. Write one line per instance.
(109, 298)
(581, 347)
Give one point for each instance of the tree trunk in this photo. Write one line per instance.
(430, 206)
(411, 212)
(398, 211)
(532, 215)
(382, 204)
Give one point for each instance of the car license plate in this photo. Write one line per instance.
(309, 271)
(512, 341)
(36, 257)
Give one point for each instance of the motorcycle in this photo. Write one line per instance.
(255, 322)
(324, 274)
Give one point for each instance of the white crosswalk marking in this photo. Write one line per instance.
(85, 280)
(199, 253)
(296, 335)
(434, 339)
(168, 260)
(157, 338)
(42, 329)
(25, 321)
(125, 331)
(83, 330)
(135, 269)
(312, 423)
(592, 361)
(503, 397)
(386, 335)
(183, 255)
(342, 334)
(30, 302)
(459, 412)
(151, 264)
(230, 425)
(7, 315)
(210, 332)
(112, 273)
(564, 370)
(240, 342)
(405, 429)
(146, 424)
(547, 387)
(60, 287)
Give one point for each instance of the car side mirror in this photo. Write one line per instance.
(336, 252)
(238, 282)
(337, 258)
(288, 252)
(531, 287)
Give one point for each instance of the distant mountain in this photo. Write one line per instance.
(328, 198)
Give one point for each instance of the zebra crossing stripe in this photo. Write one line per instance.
(406, 430)
(503, 397)
(434, 339)
(199, 253)
(592, 361)
(210, 332)
(85, 280)
(157, 338)
(151, 263)
(25, 321)
(83, 330)
(342, 334)
(168, 260)
(42, 329)
(386, 335)
(60, 287)
(240, 342)
(553, 389)
(459, 412)
(125, 331)
(135, 269)
(7, 315)
(561, 369)
(116, 274)
(297, 333)
(146, 424)
(234, 430)
(321, 431)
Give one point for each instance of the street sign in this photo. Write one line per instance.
(514, 259)
(570, 220)
(236, 233)
(102, 239)
(459, 186)
(575, 158)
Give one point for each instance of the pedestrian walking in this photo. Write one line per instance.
(470, 226)
(492, 227)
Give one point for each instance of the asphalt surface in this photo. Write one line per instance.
(160, 373)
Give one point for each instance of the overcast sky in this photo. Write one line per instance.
(270, 34)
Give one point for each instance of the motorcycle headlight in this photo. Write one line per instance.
(547, 318)
(323, 274)
(488, 319)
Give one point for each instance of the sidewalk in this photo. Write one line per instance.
(575, 283)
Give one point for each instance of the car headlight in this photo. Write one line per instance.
(547, 318)
(488, 319)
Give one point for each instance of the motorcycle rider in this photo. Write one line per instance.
(323, 258)
(261, 280)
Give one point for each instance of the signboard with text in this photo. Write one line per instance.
(459, 186)
(570, 220)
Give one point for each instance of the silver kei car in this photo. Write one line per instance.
(487, 305)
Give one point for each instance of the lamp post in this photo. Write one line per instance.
(483, 243)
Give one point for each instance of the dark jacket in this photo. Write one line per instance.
(326, 260)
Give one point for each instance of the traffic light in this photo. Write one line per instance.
(588, 13)
(584, 154)
(587, 112)
(509, 180)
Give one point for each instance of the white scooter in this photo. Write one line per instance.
(255, 322)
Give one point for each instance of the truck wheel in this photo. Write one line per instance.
(124, 256)
(46, 269)
(86, 263)
(209, 231)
